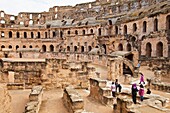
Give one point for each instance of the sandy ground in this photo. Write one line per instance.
(52, 99)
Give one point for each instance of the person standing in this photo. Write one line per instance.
(142, 79)
(113, 89)
(148, 91)
(118, 86)
(134, 92)
(141, 92)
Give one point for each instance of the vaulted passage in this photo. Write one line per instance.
(128, 47)
(148, 49)
(120, 47)
(159, 49)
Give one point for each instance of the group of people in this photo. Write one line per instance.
(115, 87)
(140, 91)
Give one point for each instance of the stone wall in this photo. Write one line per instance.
(5, 100)
(35, 99)
(73, 101)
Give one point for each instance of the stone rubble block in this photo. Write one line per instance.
(73, 101)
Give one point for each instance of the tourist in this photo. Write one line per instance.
(141, 92)
(148, 91)
(113, 89)
(141, 79)
(134, 92)
(118, 86)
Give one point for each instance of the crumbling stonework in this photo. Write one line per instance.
(35, 99)
(5, 100)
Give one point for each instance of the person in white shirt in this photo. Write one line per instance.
(113, 89)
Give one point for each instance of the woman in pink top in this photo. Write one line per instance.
(142, 79)
(141, 92)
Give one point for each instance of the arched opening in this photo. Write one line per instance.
(91, 31)
(148, 49)
(125, 29)
(54, 34)
(39, 35)
(18, 35)
(89, 48)
(168, 22)
(51, 48)
(10, 34)
(43, 48)
(68, 48)
(134, 27)
(104, 47)
(82, 49)
(20, 55)
(68, 32)
(110, 22)
(116, 30)
(2, 34)
(2, 46)
(16, 47)
(32, 35)
(45, 34)
(159, 49)
(76, 32)
(128, 48)
(24, 46)
(61, 34)
(84, 32)
(30, 46)
(10, 47)
(156, 24)
(25, 34)
(133, 39)
(144, 26)
(75, 48)
(120, 47)
(99, 32)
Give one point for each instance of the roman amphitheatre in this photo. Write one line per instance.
(64, 60)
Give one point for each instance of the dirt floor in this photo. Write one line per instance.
(52, 99)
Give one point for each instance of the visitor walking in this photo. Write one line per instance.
(141, 92)
(142, 79)
(118, 86)
(134, 92)
(113, 89)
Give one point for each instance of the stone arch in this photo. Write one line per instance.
(25, 34)
(68, 48)
(120, 47)
(39, 35)
(155, 25)
(68, 32)
(17, 34)
(128, 47)
(84, 32)
(10, 47)
(2, 34)
(148, 49)
(105, 50)
(91, 31)
(99, 32)
(144, 26)
(10, 34)
(125, 29)
(75, 49)
(23, 46)
(61, 34)
(134, 27)
(159, 49)
(2, 46)
(110, 22)
(30, 46)
(133, 39)
(51, 48)
(89, 48)
(116, 30)
(17, 47)
(44, 48)
(45, 34)
(32, 35)
(82, 49)
(168, 22)
(76, 32)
